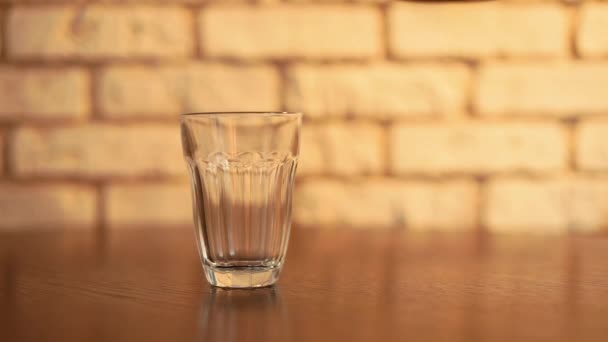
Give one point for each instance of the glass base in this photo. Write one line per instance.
(242, 277)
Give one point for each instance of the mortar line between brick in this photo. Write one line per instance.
(196, 28)
(421, 177)
(144, 181)
(470, 90)
(384, 30)
(152, 61)
(100, 220)
(94, 105)
(481, 204)
(387, 149)
(573, 27)
(570, 127)
(281, 68)
(88, 181)
(160, 120)
(84, 62)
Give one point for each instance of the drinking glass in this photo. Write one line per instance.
(242, 167)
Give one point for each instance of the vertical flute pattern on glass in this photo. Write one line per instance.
(243, 203)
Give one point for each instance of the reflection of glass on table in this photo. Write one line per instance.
(244, 316)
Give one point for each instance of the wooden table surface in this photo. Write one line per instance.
(337, 285)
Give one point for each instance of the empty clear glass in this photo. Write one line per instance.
(242, 169)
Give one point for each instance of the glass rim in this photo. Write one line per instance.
(236, 113)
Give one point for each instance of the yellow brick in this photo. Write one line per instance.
(547, 206)
(592, 35)
(311, 158)
(477, 147)
(477, 29)
(343, 149)
(524, 205)
(47, 206)
(552, 89)
(592, 145)
(43, 93)
(166, 91)
(378, 90)
(589, 207)
(282, 31)
(385, 203)
(148, 205)
(98, 151)
(99, 31)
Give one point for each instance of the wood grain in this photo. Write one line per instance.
(338, 284)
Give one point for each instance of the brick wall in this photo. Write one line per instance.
(456, 116)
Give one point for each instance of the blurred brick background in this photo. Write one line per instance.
(490, 115)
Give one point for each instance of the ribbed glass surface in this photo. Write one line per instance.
(242, 169)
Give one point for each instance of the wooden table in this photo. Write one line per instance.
(338, 285)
